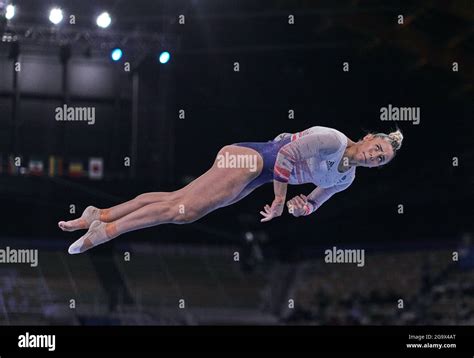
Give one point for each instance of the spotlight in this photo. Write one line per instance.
(56, 15)
(104, 20)
(164, 57)
(116, 54)
(10, 12)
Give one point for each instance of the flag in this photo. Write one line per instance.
(96, 168)
(55, 166)
(14, 163)
(36, 167)
(76, 169)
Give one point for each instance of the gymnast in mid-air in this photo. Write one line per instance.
(319, 155)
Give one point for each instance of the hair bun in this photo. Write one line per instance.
(397, 138)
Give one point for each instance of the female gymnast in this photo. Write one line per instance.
(319, 155)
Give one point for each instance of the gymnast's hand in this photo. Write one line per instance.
(297, 205)
(274, 211)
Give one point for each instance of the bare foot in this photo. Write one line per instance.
(88, 216)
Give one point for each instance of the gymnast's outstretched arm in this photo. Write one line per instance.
(302, 205)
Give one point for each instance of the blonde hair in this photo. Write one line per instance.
(394, 138)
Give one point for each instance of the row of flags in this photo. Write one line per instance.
(54, 166)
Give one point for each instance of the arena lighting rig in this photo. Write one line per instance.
(60, 28)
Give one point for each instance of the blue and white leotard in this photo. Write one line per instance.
(310, 156)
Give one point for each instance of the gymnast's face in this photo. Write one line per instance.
(373, 152)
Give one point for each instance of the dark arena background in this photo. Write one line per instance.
(168, 84)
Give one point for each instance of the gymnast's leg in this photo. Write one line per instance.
(216, 188)
(92, 213)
